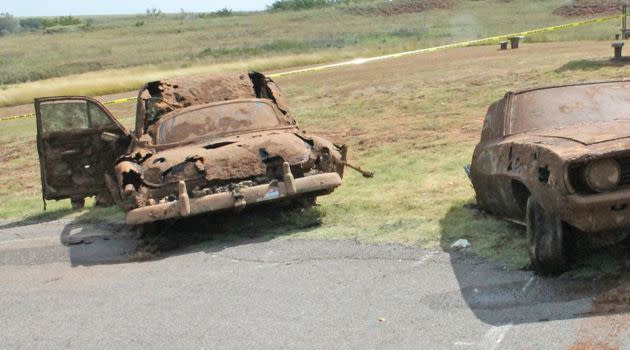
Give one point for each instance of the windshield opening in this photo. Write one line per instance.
(214, 120)
(570, 106)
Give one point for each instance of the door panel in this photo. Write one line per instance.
(78, 141)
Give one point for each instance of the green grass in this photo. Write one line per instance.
(20, 182)
(118, 55)
(55, 210)
(599, 265)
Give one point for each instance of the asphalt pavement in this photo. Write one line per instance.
(65, 285)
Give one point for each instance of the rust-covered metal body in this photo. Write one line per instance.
(214, 142)
(567, 147)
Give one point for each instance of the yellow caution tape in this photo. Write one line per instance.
(29, 115)
(120, 100)
(18, 117)
(449, 46)
(400, 54)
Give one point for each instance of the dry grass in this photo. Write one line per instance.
(112, 81)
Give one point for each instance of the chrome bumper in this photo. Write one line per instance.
(184, 206)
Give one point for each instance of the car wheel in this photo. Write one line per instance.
(104, 199)
(77, 203)
(545, 239)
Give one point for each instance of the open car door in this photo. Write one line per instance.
(78, 141)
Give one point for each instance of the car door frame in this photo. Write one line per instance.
(39, 128)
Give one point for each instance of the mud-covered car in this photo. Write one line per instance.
(200, 145)
(558, 160)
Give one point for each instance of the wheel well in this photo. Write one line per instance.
(521, 194)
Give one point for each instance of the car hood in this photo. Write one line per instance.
(229, 158)
(574, 143)
(588, 134)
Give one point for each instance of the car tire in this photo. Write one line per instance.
(546, 241)
(103, 199)
(77, 203)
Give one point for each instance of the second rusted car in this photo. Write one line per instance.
(558, 160)
(200, 145)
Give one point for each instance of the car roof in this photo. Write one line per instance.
(203, 89)
(518, 92)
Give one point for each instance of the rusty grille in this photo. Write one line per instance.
(624, 165)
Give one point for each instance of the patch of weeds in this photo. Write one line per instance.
(589, 65)
(599, 265)
(288, 46)
(489, 236)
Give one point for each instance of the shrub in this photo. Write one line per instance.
(154, 12)
(35, 23)
(67, 21)
(225, 12)
(8, 24)
(60, 21)
(32, 23)
(283, 5)
(63, 29)
(89, 24)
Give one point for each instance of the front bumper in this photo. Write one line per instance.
(184, 206)
(598, 212)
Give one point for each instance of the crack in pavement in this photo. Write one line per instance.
(343, 258)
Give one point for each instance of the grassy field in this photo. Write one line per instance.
(120, 53)
(414, 121)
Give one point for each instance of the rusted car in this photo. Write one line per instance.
(558, 160)
(200, 145)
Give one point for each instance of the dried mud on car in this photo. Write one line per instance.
(557, 159)
(200, 145)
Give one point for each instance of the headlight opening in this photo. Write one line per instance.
(602, 175)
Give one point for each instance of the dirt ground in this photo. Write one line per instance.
(584, 8)
(401, 8)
